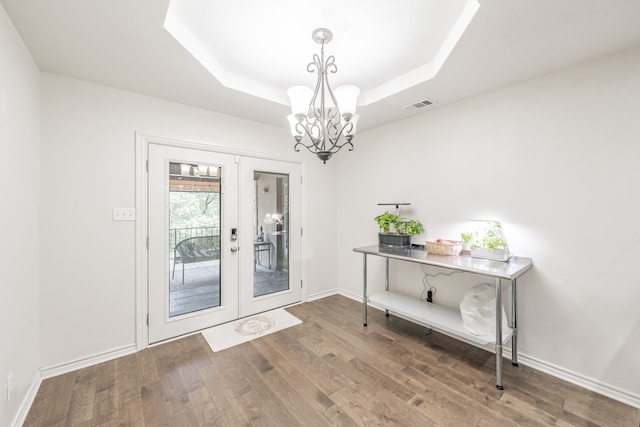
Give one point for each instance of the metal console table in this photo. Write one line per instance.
(444, 319)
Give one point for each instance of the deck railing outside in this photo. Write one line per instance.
(176, 235)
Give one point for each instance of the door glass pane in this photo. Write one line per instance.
(194, 238)
(271, 243)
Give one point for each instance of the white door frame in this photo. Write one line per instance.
(142, 267)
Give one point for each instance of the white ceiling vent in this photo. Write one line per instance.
(421, 104)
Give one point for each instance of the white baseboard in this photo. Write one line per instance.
(26, 403)
(568, 375)
(63, 368)
(322, 294)
(334, 291)
(349, 294)
(576, 378)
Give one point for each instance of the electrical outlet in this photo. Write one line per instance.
(124, 214)
(9, 386)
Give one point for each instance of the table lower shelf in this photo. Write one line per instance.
(442, 319)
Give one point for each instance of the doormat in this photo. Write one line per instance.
(242, 330)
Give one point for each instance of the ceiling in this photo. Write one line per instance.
(405, 46)
(124, 44)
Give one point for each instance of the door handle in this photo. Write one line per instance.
(234, 249)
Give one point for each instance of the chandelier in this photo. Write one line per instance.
(329, 124)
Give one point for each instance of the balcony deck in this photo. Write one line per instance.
(200, 289)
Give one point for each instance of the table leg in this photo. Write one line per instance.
(386, 283)
(364, 290)
(499, 335)
(514, 322)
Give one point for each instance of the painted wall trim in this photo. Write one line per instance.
(142, 331)
(63, 368)
(334, 291)
(524, 359)
(323, 294)
(583, 381)
(351, 295)
(568, 375)
(27, 401)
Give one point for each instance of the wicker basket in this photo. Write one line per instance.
(444, 247)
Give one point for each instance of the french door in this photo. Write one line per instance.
(270, 201)
(221, 240)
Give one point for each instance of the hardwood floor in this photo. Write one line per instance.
(330, 370)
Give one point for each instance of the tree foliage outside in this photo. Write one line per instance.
(194, 209)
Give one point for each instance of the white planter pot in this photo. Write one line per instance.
(495, 254)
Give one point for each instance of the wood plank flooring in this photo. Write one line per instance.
(328, 371)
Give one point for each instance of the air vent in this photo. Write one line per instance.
(421, 104)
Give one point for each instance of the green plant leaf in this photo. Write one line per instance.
(491, 238)
(386, 220)
(401, 226)
(413, 227)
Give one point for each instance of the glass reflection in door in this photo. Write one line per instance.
(194, 238)
(271, 242)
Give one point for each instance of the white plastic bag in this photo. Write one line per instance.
(478, 309)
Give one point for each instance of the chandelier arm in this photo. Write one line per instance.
(334, 140)
(339, 147)
(319, 138)
(334, 113)
(314, 148)
(311, 147)
(306, 129)
(308, 147)
(333, 132)
(315, 67)
(346, 143)
(330, 65)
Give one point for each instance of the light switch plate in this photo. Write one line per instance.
(124, 214)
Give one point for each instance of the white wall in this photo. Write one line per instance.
(18, 220)
(88, 167)
(556, 160)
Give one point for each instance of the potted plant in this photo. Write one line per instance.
(396, 232)
(488, 242)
